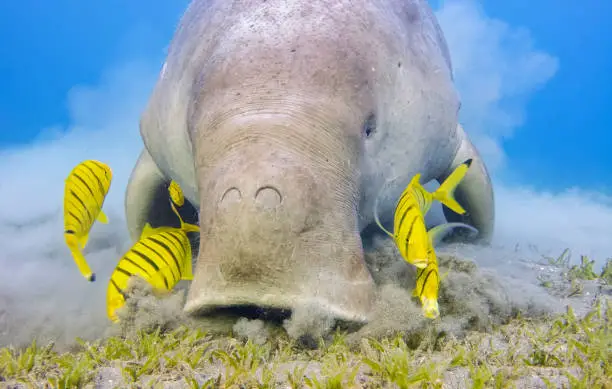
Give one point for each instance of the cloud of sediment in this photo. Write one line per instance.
(41, 290)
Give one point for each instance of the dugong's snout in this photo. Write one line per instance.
(277, 233)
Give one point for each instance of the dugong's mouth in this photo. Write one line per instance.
(232, 313)
(225, 318)
(276, 307)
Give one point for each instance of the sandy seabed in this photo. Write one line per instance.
(485, 290)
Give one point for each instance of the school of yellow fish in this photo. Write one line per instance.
(163, 255)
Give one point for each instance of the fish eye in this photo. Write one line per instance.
(369, 126)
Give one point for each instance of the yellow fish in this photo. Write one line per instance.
(414, 242)
(409, 220)
(85, 190)
(162, 257)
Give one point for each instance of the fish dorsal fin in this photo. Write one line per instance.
(419, 193)
(440, 231)
(102, 218)
(377, 200)
(147, 231)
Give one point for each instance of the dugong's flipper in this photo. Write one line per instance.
(144, 185)
(475, 192)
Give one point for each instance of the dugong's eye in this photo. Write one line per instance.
(369, 126)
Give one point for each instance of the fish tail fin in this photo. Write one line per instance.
(102, 218)
(446, 192)
(79, 258)
(187, 227)
(376, 217)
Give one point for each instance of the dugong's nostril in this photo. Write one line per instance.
(268, 197)
(231, 195)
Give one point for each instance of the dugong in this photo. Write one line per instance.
(281, 120)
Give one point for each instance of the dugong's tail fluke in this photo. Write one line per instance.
(475, 192)
(145, 182)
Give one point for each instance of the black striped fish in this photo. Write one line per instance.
(414, 242)
(161, 257)
(410, 232)
(85, 190)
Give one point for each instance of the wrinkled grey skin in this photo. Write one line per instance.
(281, 120)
